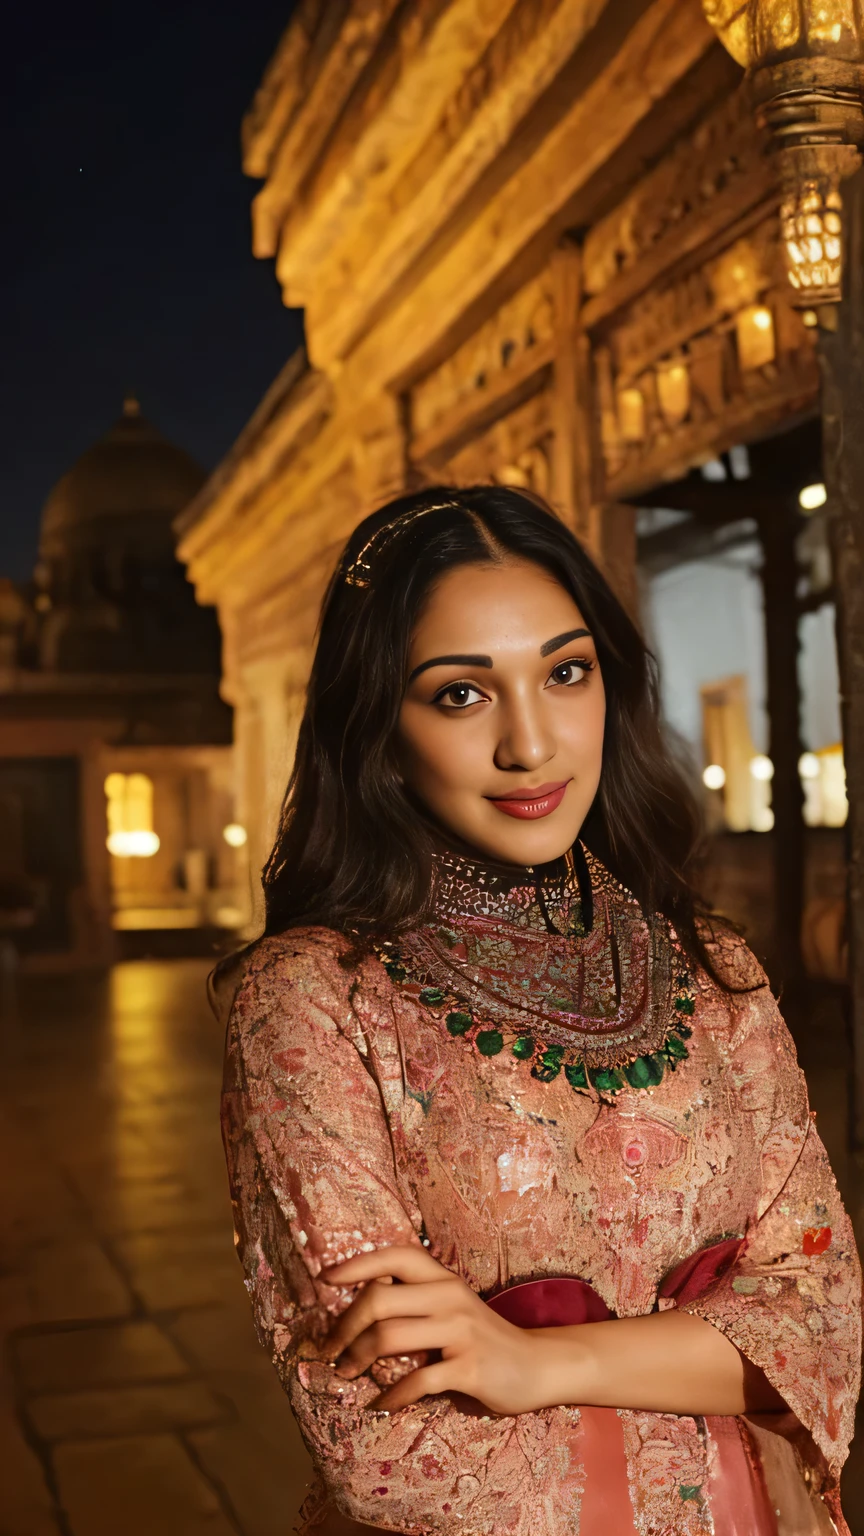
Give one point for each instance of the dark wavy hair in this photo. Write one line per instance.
(353, 850)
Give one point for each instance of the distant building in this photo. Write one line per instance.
(115, 755)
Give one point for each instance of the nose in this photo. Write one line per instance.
(526, 740)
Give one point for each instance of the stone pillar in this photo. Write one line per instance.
(842, 356)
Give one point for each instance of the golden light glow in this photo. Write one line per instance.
(754, 330)
(631, 415)
(762, 768)
(234, 835)
(714, 776)
(808, 765)
(813, 242)
(811, 497)
(129, 811)
(755, 32)
(673, 393)
(132, 845)
(804, 63)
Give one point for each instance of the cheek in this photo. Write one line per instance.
(584, 730)
(433, 756)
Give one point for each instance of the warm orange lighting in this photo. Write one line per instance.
(813, 243)
(754, 330)
(673, 393)
(132, 845)
(129, 810)
(631, 415)
(811, 497)
(235, 835)
(804, 61)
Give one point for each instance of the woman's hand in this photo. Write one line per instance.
(482, 1355)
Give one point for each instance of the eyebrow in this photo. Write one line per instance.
(451, 661)
(559, 640)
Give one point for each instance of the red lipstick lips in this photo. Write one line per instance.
(530, 804)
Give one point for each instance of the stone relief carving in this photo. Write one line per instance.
(696, 352)
(525, 321)
(516, 450)
(666, 317)
(523, 25)
(723, 151)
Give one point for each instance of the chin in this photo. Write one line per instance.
(523, 842)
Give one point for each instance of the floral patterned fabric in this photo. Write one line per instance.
(355, 1117)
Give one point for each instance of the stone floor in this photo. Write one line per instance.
(136, 1399)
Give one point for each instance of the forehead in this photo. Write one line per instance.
(493, 607)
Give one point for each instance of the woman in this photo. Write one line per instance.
(489, 1050)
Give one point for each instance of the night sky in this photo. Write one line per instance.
(126, 261)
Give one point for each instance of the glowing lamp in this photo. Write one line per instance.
(811, 497)
(132, 845)
(813, 242)
(762, 768)
(754, 330)
(235, 835)
(808, 765)
(805, 78)
(631, 415)
(129, 798)
(763, 820)
(714, 776)
(673, 393)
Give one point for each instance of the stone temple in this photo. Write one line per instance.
(115, 745)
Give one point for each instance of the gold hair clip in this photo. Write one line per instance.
(359, 572)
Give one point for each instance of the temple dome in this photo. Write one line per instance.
(132, 475)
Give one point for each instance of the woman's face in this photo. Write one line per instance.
(501, 727)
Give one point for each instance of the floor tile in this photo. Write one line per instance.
(90, 1357)
(146, 1485)
(76, 1281)
(264, 1491)
(26, 1505)
(145, 1409)
(183, 1267)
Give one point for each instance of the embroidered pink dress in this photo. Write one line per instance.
(537, 1087)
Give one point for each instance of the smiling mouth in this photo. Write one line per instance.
(530, 804)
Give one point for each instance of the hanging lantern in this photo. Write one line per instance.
(673, 393)
(754, 331)
(631, 415)
(805, 76)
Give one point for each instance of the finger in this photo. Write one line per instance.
(402, 1261)
(417, 1384)
(399, 1336)
(379, 1302)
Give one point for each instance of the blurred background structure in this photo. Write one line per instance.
(115, 747)
(610, 252)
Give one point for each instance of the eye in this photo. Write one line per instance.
(566, 673)
(458, 696)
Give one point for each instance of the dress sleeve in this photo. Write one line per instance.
(791, 1303)
(313, 1181)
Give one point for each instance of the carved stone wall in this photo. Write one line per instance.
(699, 362)
(479, 365)
(712, 175)
(516, 450)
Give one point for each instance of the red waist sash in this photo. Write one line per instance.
(736, 1489)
